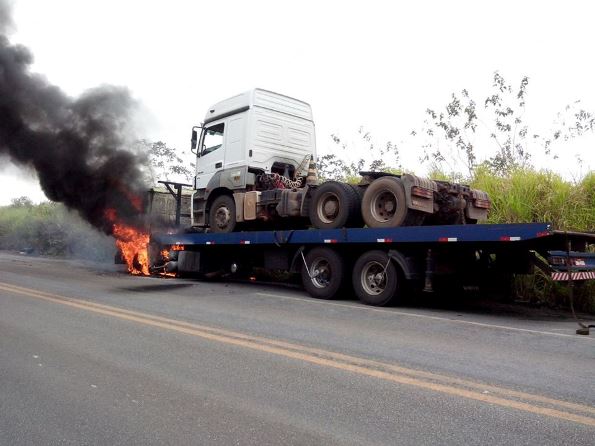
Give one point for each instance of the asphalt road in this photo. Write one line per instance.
(89, 355)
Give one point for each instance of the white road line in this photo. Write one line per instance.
(425, 316)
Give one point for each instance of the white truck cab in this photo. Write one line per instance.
(258, 129)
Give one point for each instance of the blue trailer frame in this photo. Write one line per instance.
(411, 254)
(412, 234)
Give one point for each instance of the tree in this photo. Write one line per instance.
(165, 163)
(21, 202)
(452, 134)
(334, 167)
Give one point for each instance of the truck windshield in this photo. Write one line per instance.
(213, 139)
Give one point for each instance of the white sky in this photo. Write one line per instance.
(377, 64)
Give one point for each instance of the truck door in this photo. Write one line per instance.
(211, 155)
(235, 153)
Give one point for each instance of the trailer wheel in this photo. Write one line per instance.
(322, 275)
(222, 214)
(376, 279)
(334, 205)
(384, 205)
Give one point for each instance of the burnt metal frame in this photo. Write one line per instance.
(177, 195)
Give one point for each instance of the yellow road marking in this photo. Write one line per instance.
(386, 372)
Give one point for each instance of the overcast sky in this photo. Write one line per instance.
(376, 64)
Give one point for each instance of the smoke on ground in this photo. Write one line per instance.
(77, 146)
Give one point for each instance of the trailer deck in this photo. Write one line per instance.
(488, 233)
(380, 261)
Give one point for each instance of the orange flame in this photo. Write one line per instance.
(133, 246)
(132, 243)
(165, 257)
(166, 274)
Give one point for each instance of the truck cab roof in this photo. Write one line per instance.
(258, 97)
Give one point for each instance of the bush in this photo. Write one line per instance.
(50, 229)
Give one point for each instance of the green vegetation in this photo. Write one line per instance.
(528, 195)
(50, 229)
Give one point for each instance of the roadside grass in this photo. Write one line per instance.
(528, 195)
(539, 289)
(50, 229)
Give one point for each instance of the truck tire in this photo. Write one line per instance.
(384, 205)
(358, 220)
(222, 214)
(376, 279)
(323, 274)
(333, 205)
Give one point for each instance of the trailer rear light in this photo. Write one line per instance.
(448, 239)
(561, 261)
(507, 238)
(484, 204)
(564, 261)
(543, 234)
(557, 261)
(327, 240)
(384, 240)
(422, 192)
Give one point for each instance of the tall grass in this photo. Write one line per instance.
(528, 195)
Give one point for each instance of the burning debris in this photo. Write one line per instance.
(77, 147)
(132, 244)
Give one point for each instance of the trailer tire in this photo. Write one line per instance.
(384, 205)
(376, 279)
(334, 205)
(222, 214)
(323, 274)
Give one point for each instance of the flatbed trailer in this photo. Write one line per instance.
(381, 266)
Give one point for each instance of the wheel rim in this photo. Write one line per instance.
(383, 206)
(328, 207)
(222, 217)
(373, 278)
(320, 273)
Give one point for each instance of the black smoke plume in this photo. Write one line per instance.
(77, 146)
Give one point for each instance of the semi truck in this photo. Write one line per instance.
(256, 168)
(255, 194)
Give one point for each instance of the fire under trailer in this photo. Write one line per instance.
(381, 266)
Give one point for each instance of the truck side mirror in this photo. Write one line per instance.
(194, 140)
